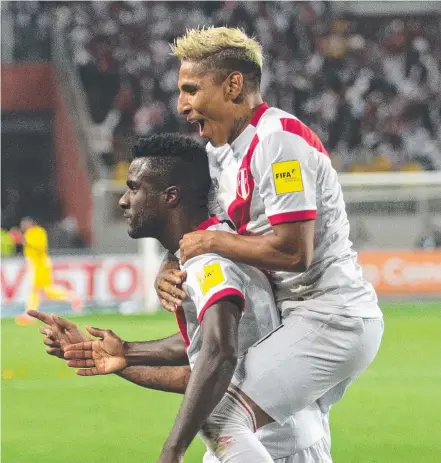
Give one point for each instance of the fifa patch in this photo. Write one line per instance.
(211, 276)
(287, 177)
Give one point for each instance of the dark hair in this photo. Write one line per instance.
(177, 160)
(226, 61)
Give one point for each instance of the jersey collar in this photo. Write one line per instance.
(243, 140)
(258, 113)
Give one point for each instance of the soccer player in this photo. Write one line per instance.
(168, 184)
(274, 180)
(33, 237)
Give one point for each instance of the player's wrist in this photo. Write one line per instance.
(132, 354)
(128, 354)
(212, 242)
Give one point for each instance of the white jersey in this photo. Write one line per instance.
(211, 278)
(278, 171)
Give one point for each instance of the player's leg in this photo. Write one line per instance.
(32, 303)
(316, 453)
(60, 293)
(301, 434)
(304, 359)
(229, 433)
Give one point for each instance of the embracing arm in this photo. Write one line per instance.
(167, 379)
(290, 247)
(211, 374)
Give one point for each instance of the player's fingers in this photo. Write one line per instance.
(50, 342)
(78, 354)
(172, 276)
(88, 372)
(63, 323)
(169, 306)
(81, 363)
(46, 331)
(43, 317)
(169, 302)
(87, 345)
(54, 343)
(170, 293)
(173, 290)
(55, 351)
(98, 332)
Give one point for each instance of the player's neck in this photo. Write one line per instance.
(179, 224)
(244, 115)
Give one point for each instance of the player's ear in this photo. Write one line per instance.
(234, 85)
(171, 196)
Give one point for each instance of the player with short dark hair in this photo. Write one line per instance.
(230, 307)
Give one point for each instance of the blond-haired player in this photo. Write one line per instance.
(274, 180)
(33, 237)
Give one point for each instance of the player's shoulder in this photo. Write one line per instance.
(35, 231)
(210, 275)
(278, 127)
(272, 121)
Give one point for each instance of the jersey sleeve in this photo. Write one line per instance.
(211, 278)
(285, 170)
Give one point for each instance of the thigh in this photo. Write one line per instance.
(317, 453)
(303, 360)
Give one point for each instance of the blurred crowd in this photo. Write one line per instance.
(370, 87)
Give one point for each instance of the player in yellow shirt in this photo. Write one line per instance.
(33, 237)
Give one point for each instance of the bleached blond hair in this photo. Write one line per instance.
(221, 50)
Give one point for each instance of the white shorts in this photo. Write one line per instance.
(312, 357)
(317, 453)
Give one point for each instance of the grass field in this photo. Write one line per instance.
(390, 415)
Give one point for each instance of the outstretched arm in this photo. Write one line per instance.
(210, 376)
(111, 354)
(169, 351)
(60, 332)
(167, 379)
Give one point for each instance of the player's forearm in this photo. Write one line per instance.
(169, 351)
(208, 382)
(167, 379)
(263, 251)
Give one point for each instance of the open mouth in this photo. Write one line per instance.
(201, 123)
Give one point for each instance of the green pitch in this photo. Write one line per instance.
(390, 415)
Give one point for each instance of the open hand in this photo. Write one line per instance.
(99, 357)
(58, 332)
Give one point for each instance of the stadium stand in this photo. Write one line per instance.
(369, 87)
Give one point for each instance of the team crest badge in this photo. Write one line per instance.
(243, 185)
